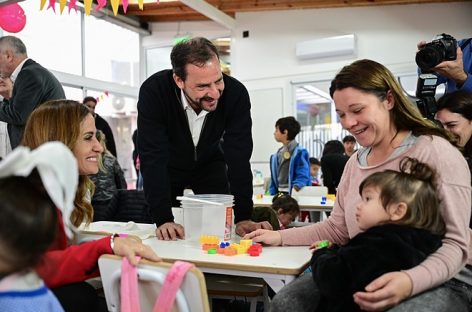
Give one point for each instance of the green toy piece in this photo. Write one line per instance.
(323, 244)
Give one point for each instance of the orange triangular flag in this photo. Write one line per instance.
(87, 6)
(114, 5)
(62, 5)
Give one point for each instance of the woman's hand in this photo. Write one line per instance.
(384, 292)
(129, 247)
(267, 237)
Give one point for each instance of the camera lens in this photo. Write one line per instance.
(429, 57)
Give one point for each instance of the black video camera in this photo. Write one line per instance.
(425, 92)
(443, 48)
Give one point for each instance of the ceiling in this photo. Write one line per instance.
(224, 11)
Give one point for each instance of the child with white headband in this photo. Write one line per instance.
(33, 184)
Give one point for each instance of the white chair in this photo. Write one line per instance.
(192, 295)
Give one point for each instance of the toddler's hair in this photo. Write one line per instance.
(314, 161)
(415, 185)
(28, 223)
(287, 203)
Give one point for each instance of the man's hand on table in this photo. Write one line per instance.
(170, 231)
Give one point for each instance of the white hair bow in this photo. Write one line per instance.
(57, 168)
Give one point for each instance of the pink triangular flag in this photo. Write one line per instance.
(73, 5)
(52, 4)
(101, 4)
(125, 5)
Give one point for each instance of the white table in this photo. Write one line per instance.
(276, 265)
(309, 203)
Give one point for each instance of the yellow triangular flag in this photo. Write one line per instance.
(88, 6)
(62, 5)
(43, 2)
(141, 4)
(114, 5)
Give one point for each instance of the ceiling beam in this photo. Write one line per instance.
(224, 11)
(211, 12)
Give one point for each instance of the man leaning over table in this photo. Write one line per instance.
(191, 134)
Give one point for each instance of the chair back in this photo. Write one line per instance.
(192, 295)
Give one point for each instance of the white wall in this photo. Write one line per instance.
(266, 59)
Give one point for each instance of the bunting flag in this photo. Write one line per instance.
(73, 5)
(125, 5)
(52, 4)
(102, 97)
(115, 4)
(88, 6)
(101, 4)
(62, 5)
(43, 3)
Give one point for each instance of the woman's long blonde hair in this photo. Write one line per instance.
(60, 120)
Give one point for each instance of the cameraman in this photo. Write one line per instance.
(457, 74)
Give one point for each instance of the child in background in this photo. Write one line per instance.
(283, 211)
(29, 222)
(315, 166)
(289, 167)
(349, 143)
(402, 225)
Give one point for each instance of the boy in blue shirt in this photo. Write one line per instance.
(290, 166)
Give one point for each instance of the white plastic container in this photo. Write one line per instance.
(208, 214)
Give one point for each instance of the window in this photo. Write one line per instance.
(111, 52)
(51, 39)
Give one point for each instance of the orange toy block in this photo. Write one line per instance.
(229, 251)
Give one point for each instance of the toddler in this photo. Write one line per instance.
(284, 210)
(28, 183)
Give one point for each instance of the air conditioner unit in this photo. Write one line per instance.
(326, 47)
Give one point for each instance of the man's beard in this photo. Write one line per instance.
(198, 104)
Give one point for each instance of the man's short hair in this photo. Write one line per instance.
(349, 138)
(14, 43)
(196, 51)
(290, 124)
(89, 99)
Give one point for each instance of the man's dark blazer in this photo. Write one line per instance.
(33, 86)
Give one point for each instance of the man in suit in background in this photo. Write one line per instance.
(101, 124)
(24, 85)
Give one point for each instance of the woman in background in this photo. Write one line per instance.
(333, 161)
(108, 180)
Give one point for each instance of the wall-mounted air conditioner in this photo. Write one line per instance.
(326, 47)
